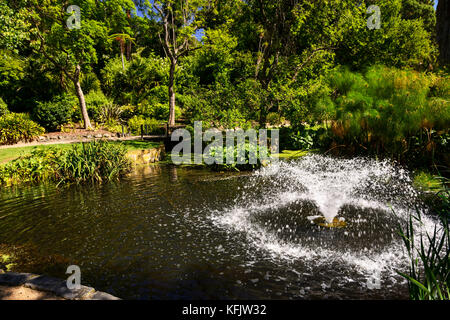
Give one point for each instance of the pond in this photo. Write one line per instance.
(169, 232)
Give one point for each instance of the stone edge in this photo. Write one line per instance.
(52, 285)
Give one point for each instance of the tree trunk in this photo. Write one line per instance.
(123, 62)
(129, 42)
(129, 50)
(122, 49)
(173, 63)
(443, 31)
(80, 95)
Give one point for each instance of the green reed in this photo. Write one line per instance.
(429, 269)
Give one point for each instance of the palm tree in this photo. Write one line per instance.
(122, 38)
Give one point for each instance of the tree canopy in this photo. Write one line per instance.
(225, 61)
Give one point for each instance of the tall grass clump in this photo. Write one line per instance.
(96, 161)
(429, 269)
(402, 114)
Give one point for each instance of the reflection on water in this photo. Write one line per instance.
(168, 233)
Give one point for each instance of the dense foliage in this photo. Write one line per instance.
(3, 108)
(312, 67)
(238, 157)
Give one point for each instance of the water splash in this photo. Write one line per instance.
(277, 208)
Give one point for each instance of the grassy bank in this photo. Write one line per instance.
(95, 161)
(12, 153)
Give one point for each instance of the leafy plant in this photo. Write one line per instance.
(95, 101)
(15, 127)
(35, 168)
(6, 262)
(150, 125)
(240, 157)
(302, 137)
(110, 113)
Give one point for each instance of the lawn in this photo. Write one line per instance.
(9, 154)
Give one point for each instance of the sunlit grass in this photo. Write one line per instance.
(291, 154)
(428, 182)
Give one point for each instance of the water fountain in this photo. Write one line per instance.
(328, 211)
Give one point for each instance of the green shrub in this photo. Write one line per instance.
(274, 118)
(152, 126)
(302, 137)
(95, 100)
(51, 115)
(90, 82)
(110, 113)
(159, 111)
(39, 166)
(128, 111)
(220, 153)
(15, 127)
(3, 108)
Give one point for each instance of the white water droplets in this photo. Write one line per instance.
(377, 188)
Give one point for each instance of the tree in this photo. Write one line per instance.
(13, 28)
(180, 19)
(69, 50)
(420, 10)
(289, 37)
(402, 39)
(443, 31)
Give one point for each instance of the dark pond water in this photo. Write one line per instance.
(180, 233)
